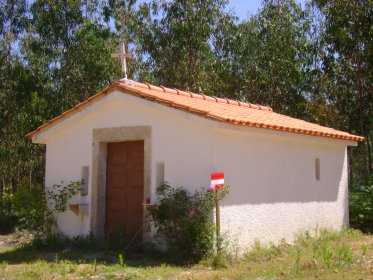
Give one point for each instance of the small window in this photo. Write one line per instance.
(317, 169)
(160, 174)
(85, 180)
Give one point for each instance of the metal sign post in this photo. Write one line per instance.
(217, 220)
(217, 181)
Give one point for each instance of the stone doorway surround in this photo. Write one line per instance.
(100, 138)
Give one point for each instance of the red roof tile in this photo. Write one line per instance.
(225, 110)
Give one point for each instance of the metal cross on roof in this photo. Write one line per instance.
(122, 55)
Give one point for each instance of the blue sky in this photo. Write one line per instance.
(244, 8)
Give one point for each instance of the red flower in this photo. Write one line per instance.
(192, 213)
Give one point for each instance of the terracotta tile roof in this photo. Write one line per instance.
(225, 110)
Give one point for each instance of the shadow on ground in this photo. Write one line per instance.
(29, 253)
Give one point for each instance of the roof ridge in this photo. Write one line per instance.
(232, 115)
(176, 91)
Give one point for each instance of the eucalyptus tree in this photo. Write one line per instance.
(12, 15)
(69, 47)
(268, 58)
(61, 58)
(69, 42)
(176, 39)
(347, 63)
(12, 18)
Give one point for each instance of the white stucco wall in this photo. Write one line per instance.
(274, 192)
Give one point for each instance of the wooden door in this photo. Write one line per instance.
(125, 188)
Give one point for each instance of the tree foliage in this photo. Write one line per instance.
(184, 221)
(361, 205)
(176, 38)
(40, 214)
(347, 69)
(53, 56)
(268, 58)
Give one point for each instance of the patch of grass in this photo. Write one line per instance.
(261, 252)
(121, 260)
(333, 255)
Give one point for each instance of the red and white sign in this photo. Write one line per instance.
(217, 180)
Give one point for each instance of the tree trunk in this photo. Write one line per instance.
(1, 196)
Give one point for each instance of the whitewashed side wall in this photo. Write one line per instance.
(274, 192)
(272, 174)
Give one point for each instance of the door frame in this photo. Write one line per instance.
(100, 139)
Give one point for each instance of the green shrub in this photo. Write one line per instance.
(30, 207)
(185, 221)
(49, 242)
(37, 210)
(58, 196)
(7, 223)
(117, 241)
(361, 205)
(87, 242)
(60, 242)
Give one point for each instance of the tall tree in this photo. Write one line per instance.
(62, 58)
(268, 57)
(347, 62)
(12, 19)
(75, 50)
(176, 39)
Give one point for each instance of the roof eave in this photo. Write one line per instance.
(73, 110)
(140, 93)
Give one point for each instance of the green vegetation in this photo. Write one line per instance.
(361, 205)
(7, 224)
(33, 215)
(333, 255)
(37, 210)
(184, 221)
